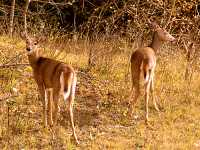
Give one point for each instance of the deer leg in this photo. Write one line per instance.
(56, 106)
(135, 86)
(135, 91)
(50, 99)
(71, 103)
(152, 92)
(44, 103)
(147, 87)
(72, 121)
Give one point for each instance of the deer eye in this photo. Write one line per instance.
(35, 43)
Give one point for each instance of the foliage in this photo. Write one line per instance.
(111, 17)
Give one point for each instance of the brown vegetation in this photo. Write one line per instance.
(99, 47)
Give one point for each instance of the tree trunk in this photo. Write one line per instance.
(12, 18)
(25, 12)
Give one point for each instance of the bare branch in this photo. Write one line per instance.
(7, 97)
(172, 11)
(12, 17)
(25, 12)
(13, 65)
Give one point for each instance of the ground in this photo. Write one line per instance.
(101, 105)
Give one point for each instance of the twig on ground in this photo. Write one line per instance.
(13, 65)
(7, 97)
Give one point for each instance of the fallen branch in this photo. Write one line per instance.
(13, 65)
(7, 97)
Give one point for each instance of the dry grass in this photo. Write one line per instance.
(101, 103)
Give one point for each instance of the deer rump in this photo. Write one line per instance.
(68, 84)
(146, 67)
(143, 61)
(51, 71)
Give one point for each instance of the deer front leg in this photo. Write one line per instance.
(44, 102)
(147, 86)
(153, 96)
(56, 107)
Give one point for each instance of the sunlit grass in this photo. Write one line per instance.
(175, 127)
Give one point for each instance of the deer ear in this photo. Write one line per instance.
(41, 39)
(191, 45)
(153, 25)
(24, 36)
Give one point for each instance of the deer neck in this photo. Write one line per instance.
(33, 59)
(156, 42)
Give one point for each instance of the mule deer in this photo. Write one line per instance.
(144, 60)
(54, 76)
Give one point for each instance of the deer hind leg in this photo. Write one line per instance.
(147, 88)
(152, 91)
(71, 103)
(50, 99)
(56, 105)
(135, 90)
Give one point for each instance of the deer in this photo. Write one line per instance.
(143, 62)
(53, 77)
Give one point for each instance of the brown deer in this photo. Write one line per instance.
(143, 60)
(51, 76)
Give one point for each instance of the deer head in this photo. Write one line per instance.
(31, 43)
(163, 35)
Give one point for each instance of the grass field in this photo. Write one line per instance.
(101, 110)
